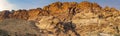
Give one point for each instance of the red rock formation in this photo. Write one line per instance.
(4, 14)
(70, 18)
(23, 14)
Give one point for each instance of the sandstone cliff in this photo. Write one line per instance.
(70, 19)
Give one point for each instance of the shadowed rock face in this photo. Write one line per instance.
(68, 19)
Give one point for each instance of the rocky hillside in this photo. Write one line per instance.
(68, 19)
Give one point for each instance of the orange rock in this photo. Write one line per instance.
(64, 18)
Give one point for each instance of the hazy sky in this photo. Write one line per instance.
(27, 4)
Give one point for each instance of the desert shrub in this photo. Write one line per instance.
(116, 34)
(3, 33)
(18, 27)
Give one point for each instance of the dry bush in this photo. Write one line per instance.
(17, 27)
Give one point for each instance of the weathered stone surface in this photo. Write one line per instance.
(71, 19)
(4, 14)
(20, 14)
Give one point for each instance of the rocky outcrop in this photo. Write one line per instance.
(19, 14)
(70, 19)
(57, 9)
(4, 14)
(31, 14)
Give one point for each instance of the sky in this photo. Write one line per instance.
(29, 4)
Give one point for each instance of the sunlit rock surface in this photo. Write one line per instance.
(62, 19)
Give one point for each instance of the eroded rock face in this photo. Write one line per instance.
(4, 14)
(71, 19)
(31, 14)
(20, 14)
